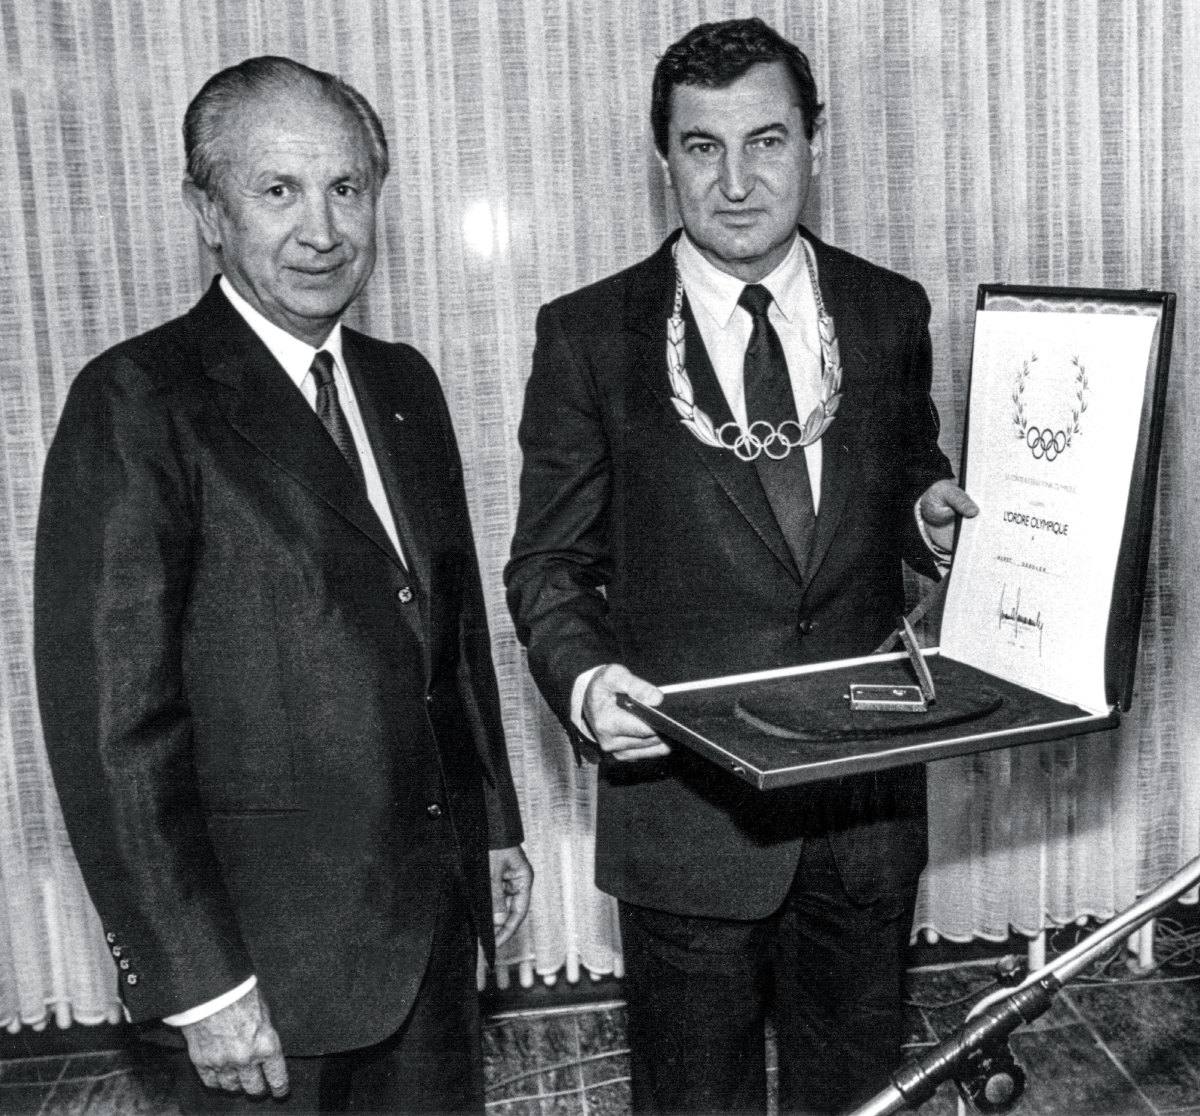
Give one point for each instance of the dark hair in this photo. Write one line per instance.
(265, 76)
(716, 54)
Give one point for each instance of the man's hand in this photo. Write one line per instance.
(941, 505)
(237, 1049)
(512, 885)
(621, 734)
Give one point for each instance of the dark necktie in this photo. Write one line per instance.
(769, 398)
(330, 412)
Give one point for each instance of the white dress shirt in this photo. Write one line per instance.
(296, 357)
(725, 330)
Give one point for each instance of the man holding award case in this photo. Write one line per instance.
(729, 450)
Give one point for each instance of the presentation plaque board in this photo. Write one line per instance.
(1040, 626)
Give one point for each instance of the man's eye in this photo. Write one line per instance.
(703, 150)
(768, 142)
(345, 190)
(278, 190)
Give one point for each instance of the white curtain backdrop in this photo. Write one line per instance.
(1033, 141)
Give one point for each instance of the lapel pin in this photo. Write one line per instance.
(399, 417)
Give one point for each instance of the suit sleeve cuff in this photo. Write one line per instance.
(211, 1007)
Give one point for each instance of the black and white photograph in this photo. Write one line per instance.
(599, 557)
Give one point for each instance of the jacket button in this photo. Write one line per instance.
(805, 626)
(116, 951)
(131, 978)
(404, 595)
(125, 963)
(110, 937)
(433, 810)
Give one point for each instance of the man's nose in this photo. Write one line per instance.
(318, 228)
(736, 177)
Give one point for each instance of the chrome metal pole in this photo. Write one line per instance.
(987, 1023)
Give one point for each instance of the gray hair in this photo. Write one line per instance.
(265, 76)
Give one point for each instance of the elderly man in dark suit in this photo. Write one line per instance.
(262, 653)
(729, 449)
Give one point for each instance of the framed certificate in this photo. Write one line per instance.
(1040, 626)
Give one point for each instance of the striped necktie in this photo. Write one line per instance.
(333, 418)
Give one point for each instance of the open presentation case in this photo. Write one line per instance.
(1042, 611)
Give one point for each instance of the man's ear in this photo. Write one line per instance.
(203, 207)
(816, 147)
(666, 168)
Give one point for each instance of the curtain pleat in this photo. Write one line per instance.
(1031, 141)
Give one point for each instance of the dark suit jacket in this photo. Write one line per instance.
(268, 761)
(638, 544)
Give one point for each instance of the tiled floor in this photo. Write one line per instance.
(1101, 1050)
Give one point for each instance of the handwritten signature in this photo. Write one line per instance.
(1019, 621)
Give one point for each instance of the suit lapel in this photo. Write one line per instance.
(649, 307)
(400, 455)
(837, 444)
(268, 411)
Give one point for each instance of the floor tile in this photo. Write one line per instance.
(1151, 1030)
(566, 1078)
(611, 1099)
(22, 1100)
(602, 1032)
(531, 1056)
(604, 1069)
(534, 1084)
(918, 1033)
(98, 1063)
(533, 1041)
(1069, 1072)
(71, 1098)
(32, 1071)
(563, 1104)
(526, 1107)
(130, 1094)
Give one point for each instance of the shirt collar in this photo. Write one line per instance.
(718, 292)
(294, 355)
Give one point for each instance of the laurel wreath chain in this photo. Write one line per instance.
(694, 417)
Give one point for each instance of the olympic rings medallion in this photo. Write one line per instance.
(776, 442)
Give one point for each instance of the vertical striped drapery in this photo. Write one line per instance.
(1031, 141)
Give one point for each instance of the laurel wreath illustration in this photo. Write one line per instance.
(1045, 441)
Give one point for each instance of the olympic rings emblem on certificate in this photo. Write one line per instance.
(1046, 443)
